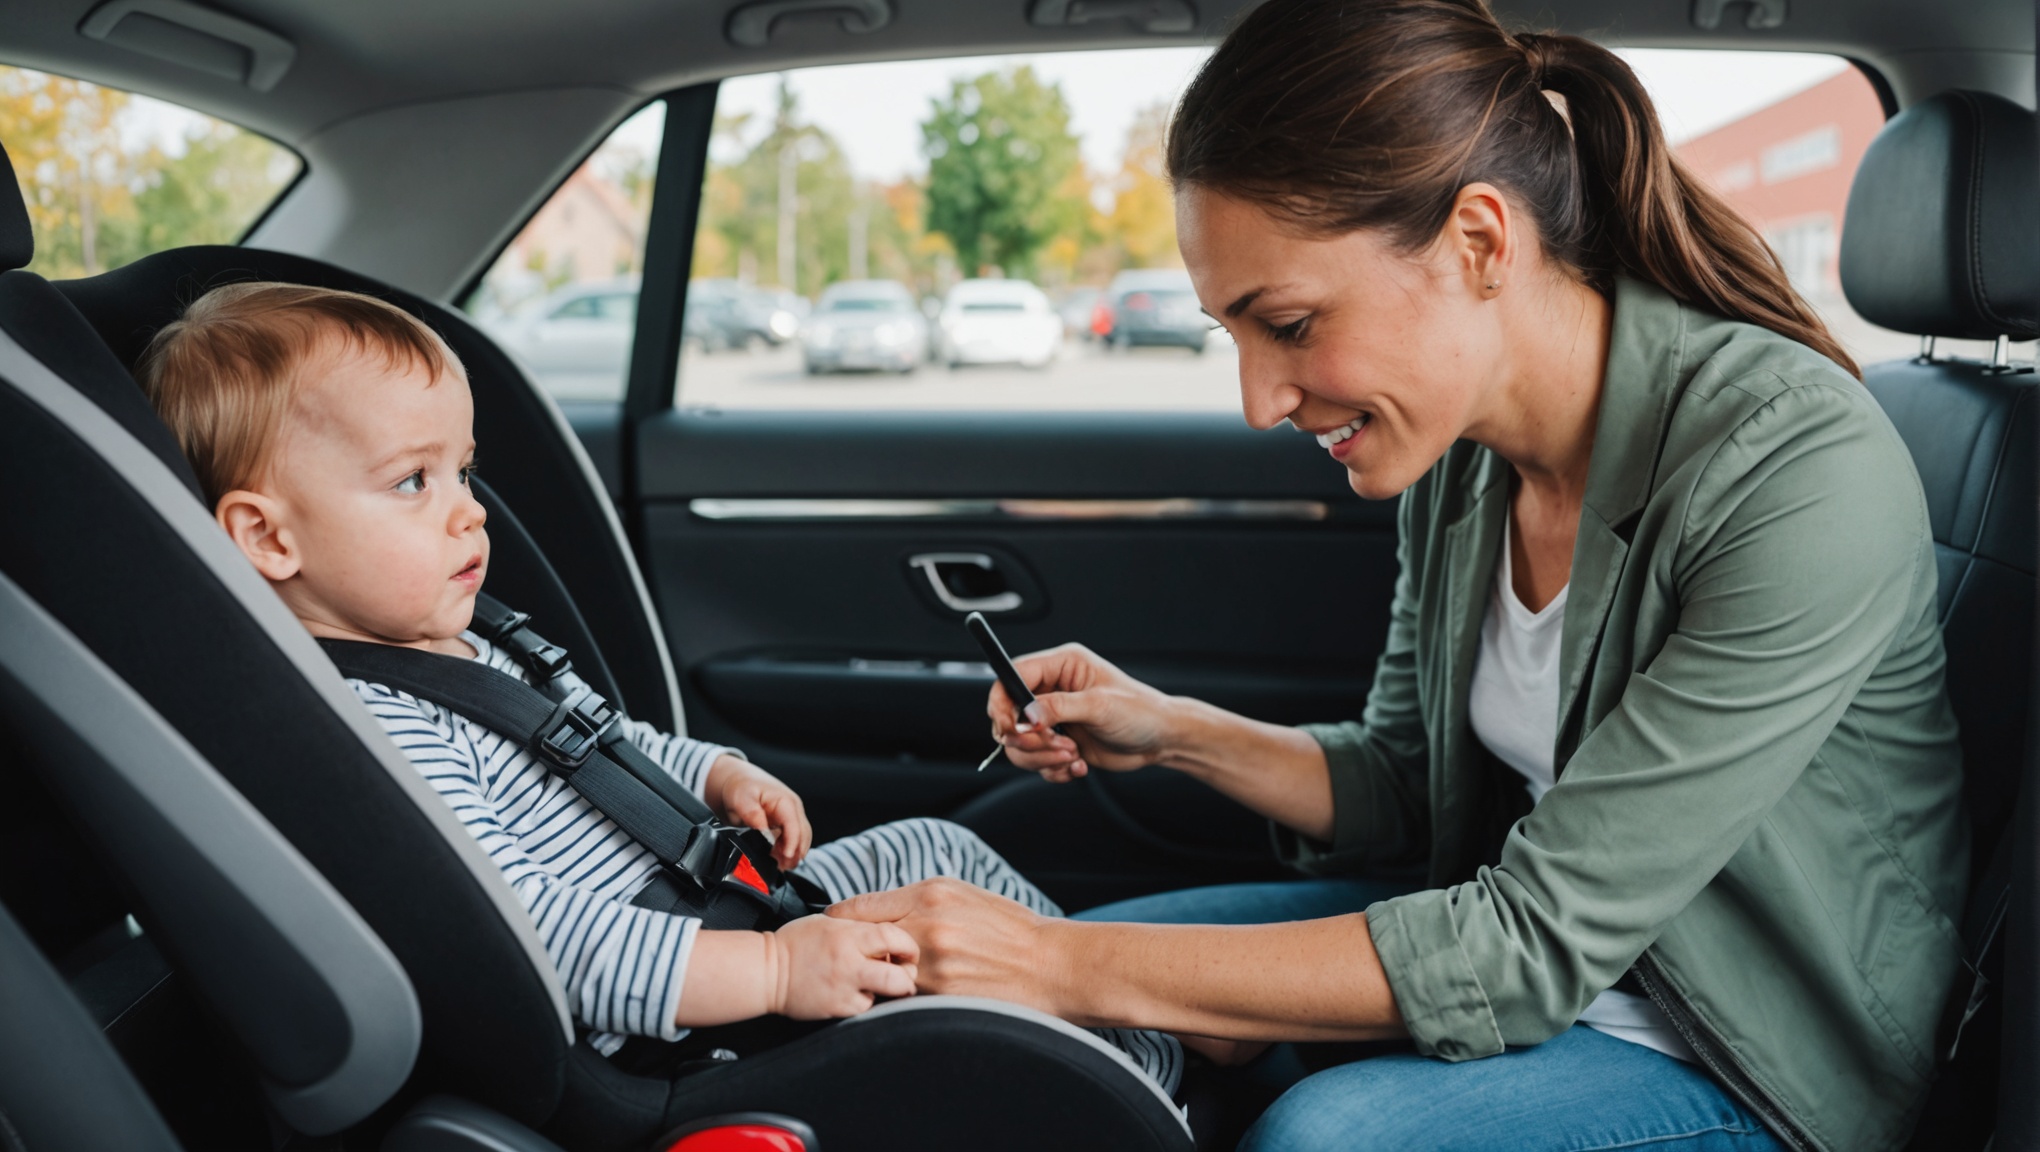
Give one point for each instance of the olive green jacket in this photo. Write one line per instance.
(1758, 811)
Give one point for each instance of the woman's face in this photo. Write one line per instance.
(1386, 357)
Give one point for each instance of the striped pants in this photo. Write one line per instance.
(893, 855)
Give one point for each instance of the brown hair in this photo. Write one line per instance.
(1338, 116)
(223, 374)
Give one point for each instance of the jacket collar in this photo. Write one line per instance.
(1646, 354)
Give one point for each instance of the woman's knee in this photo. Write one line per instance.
(1368, 1104)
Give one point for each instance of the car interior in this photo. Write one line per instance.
(233, 916)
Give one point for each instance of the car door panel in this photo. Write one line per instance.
(1177, 545)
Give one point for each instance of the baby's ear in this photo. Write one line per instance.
(256, 525)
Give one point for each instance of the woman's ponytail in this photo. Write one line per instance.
(1645, 213)
(1347, 116)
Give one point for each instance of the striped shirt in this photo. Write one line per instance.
(572, 868)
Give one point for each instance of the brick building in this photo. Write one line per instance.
(1787, 169)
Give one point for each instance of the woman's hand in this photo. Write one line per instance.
(972, 943)
(820, 968)
(1305, 980)
(740, 792)
(1110, 719)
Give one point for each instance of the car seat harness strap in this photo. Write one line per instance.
(725, 875)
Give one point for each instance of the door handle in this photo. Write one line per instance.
(932, 564)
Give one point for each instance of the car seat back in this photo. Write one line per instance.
(1943, 240)
(568, 537)
(317, 1002)
(62, 1086)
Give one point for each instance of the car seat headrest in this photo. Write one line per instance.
(17, 241)
(1942, 237)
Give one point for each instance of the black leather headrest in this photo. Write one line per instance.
(17, 241)
(1943, 231)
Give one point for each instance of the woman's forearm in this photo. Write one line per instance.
(1308, 980)
(1277, 771)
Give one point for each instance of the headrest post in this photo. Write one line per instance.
(1926, 355)
(2001, 354)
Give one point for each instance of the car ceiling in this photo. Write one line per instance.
(481, 106)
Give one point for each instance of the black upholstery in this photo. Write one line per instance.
(525, 454)
(1943, 239)
(46, 324)
(1972, 436)
(1941, 226)
(17, 240)
(62, 1086)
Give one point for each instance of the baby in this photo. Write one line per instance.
(333, 435)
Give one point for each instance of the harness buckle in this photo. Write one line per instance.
(546, 660)
(575, 729)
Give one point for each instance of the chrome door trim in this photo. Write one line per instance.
(1168, 508)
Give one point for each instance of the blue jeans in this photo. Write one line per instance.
(1580, 1091)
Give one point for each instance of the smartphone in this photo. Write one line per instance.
(1002, 664)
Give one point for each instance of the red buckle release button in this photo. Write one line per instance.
(748, 876)
(740, 1138)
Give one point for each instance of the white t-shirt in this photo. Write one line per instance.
(1514, 710)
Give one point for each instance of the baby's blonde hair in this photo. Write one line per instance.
(224, 374)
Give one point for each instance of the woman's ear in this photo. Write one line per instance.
(256, 523)
(1480, 234)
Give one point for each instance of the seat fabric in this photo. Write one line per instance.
(1972, 434)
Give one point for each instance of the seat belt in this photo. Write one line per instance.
(724, 875)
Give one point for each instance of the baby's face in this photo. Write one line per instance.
(371, 477)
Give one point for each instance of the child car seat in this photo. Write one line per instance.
(107, 536)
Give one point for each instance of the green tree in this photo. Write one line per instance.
(1143, 208)
(1000, 160)
(742, 200)
(100, 195)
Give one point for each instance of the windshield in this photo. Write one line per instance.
(866, 304)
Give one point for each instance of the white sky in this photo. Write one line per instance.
(874, 110)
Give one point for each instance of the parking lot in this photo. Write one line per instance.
(1083, 377)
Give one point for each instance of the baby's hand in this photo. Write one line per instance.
(824, 967)
(742, 793)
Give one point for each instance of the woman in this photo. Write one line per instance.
(1661, 705)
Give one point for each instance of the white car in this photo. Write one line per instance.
(869, 324)
(576, 342)
(999, 322)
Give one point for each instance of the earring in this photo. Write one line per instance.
(1494, 285)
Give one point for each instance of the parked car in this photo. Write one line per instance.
(870, 324)
(999, 322)
(723, 314)
(575, 342)
(1152, 306)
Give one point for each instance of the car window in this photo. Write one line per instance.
(577, 261)
(1782, 146)
(1044, 173)
(979, 205)
(112, 176)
